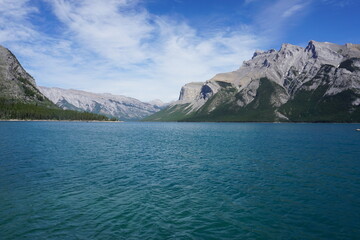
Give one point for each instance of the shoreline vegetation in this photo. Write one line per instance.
(52, 120)
(274, 122)
(11, 109)
(119, 121)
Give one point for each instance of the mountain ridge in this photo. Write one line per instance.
(15, 82)
(20, 97)
(291, 70)
(119, 106)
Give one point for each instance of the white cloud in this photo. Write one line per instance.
(292, 10)
(13, 12)
(339, 3)
(277, 16)
(101, 27)
(249, 1)
(15, 9)
(117, 46)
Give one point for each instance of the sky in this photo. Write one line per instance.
(148, 49)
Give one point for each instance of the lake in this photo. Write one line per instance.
(78, 180)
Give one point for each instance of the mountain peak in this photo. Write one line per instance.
(189, 91)
(311, 48)
(125, 108)
(277, 85)
(261, 53)
(15, 82)
(288, 46)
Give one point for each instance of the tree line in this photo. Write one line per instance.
(10, 109)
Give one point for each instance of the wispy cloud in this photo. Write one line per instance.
(112, 29)
(249, 1)
(13, 20)
(293, 10)
(274, 19)
(339, 3)
(118, 46)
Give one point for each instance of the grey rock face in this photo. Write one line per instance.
(121, 107)
(290, 67)
(190, 91)
(15, 82)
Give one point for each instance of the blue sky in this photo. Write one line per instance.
(148, 49)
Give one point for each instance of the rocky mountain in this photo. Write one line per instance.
(20, 97)
(121, 107)
(319, 83)
(15, 82)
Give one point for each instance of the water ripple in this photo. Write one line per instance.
(179, 181)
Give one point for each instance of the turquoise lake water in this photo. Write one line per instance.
(69, 180)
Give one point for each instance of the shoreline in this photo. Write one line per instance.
(51, 120)
(249, 122)
(97, 121)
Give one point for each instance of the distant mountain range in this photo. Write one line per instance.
(121, 107)
(21, 98)
(319, 83)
